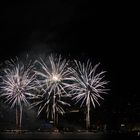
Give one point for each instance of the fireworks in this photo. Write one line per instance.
(17, 85)
(52, 77)
(87, 85)
(52, 80)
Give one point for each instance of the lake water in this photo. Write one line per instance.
(66, 135)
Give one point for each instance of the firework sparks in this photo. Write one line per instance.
(87, 85)
(17, 84)
(52, 77)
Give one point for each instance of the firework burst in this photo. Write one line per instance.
(87, 85)
(52, 77)
(17, 84)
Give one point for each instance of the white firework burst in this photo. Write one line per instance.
(87, 85)
(52, 77)
(17, 84)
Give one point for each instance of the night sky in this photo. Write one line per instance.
(80, 30)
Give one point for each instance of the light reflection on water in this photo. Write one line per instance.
(67, 135)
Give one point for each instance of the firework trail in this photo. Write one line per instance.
(87, 85)
(52, 77)
(17, 84)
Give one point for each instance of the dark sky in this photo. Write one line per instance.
(78, 28)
